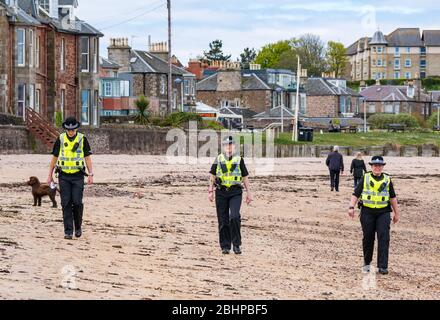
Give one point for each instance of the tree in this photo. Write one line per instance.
(247, 57)
(336, 58)
(215, 52)
(288, 60)
(269, 55)
(311, 51)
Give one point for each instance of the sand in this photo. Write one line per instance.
(151, 233)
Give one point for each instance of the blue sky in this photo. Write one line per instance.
(251, 23)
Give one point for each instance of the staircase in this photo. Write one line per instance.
(41, 128)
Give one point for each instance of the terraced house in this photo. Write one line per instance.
(406, 53)
(49, 60)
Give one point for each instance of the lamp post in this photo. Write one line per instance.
(298, 80)
(280, 90)
(180, 81)
(364, 102)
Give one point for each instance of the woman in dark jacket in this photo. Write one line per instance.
(358, 168)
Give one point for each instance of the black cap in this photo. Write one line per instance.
(377, 160)
(71, 124)
(228, 140)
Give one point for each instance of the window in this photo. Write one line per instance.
(373, 62)
(63, 54)
(95, 55)
(408, 50)
(343, 105)
(108, 89)
(85, 103)
(303, 104)
(37, 52)
(85, 50)
(396, 75)
(379, 62)
(125, 88)
(31, 48)
(422, 63)
(397, 52)
(374, 49)
(193, 87)
(62, 102)
(407, 75)
(45, 4)
(379, 50)
(389, 108)
(37, 100)
(21, 47)
(423, 75)
(186, 87)
(423, 50)
(21, 100)
(95, 107)
(163, 84)
(396, 63)
(371, 108)
(408, 63)
(32, 96)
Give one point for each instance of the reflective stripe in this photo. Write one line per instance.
(71, 159)
(229, 178)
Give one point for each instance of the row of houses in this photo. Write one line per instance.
(49, 60)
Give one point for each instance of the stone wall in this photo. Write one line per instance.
(322, 106)
(256, 100)
(124, 140)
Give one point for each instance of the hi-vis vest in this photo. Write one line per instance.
(376, 194)
(71, 160)
(229, 172)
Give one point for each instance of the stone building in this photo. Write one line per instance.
(148, 73)
(50, 60)
(330, 98)
(406, 53)
(396, 99)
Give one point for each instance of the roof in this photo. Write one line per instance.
(105, 63)
(204, 108)
(249, 82)
(244, 112)
(275, 113)
(386, 93)
(145, 62)
(378, 38)
(322, 87)
(68, 3)
(405, 37)
(431, 37)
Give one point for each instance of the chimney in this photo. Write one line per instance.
(119, 52)
(159, 49)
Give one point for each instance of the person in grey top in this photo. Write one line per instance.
(335, 164)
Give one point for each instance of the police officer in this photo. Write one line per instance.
(377, 201)
(228, 174)
(71, 154)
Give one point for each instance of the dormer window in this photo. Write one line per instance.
(45, 5)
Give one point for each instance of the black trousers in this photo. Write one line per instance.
(228, 205)
(334, 179)
(373, 224)
(357, 180)
(72, 189)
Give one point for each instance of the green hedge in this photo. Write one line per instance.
(177, 119)
(432, 121)
(381, 121)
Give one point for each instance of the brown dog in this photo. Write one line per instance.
(39, 190)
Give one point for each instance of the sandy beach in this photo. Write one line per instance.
(151, 233)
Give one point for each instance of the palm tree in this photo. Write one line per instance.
(143, 116)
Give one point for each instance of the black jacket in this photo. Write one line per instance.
(335, 161)
(358, 168)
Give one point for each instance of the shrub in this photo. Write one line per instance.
(58, 119)
(214, 125)
(432, 121)
(142, 104)
(381, 121)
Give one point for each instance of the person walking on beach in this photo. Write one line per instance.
(71, 155)
(335, 164)
(377, 200)
(358, 168)
(228, 175)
